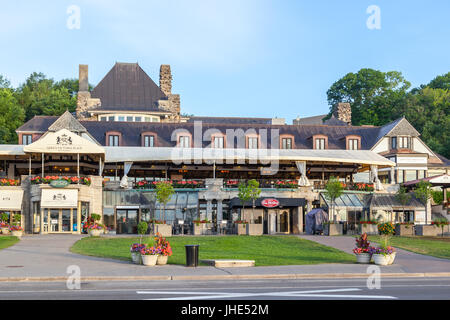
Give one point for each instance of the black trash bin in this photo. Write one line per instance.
(192, 255)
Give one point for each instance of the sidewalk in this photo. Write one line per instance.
(47, 257)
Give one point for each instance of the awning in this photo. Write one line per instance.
(59, 198)
(11, 200)
(442, 180)
(180, 155)
(284, 202)
(63, 141)
(385, 201)
(11, 150)
(349, 201)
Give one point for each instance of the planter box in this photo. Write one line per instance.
(333, 229)
(368, 228)
(240, 228)
(426, 230)
(164, 229)
(404, 230)
(202, 229)
(254, 229)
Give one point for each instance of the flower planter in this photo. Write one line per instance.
(136, 257)
(381, 259)
(17, 234)
(202, 228)
(368, 228)
(95, 232)
(333, 229)
(241, 228)
(161, 260)
(404, 230)
(164, 229)
(363, 258)
(427, 230)
(149, 260)
(254, 229)
(5, 231)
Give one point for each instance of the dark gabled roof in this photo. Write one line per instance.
(67, 121)
(131, 131)
(127, 87)
(231, 120)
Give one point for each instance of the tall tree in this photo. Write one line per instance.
(164, 191)
(11, 116)
(374, 95)
(254, 191)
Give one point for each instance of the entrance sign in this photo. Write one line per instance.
(57, 198)
(270, 203)
(11, 200)
(59, 183)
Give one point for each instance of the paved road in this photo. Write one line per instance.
(311, 289)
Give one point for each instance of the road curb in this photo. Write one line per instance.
(228, 277)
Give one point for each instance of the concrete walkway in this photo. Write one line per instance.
(47, 257)
(406, 260)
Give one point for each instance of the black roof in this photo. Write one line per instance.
(127, 87)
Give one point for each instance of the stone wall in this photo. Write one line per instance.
(343, 112)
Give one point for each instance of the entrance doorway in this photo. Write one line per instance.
(278, 221)
(60, 220)
(126, 221)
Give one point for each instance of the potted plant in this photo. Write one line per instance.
(142, 229)
(367, 226)
(440, 223)
(16, 231)
(164, 248)
(385, 254)
(95, 229)
(241, 227)
(362, 250)
(135, 250)
(332, 228)
(164, 192)
(149, 256)
(4, 225)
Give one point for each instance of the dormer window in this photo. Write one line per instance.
(113, 141)
(353, 142)
(149, 141)
(27, 139)
(320, 142)
(404, 142)
(252, 142)
(184, 142)
(393, 142)
(218, 142)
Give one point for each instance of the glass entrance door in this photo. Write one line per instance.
(60, 220)
(54, 220)
(126, 221)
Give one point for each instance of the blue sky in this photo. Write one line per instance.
(230, 58)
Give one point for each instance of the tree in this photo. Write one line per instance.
(333, 190)
(11, 116)
(374, 95)
(423, 193)
(243, 194)
(164, 191)
(142, 229)
(254, 191)
(403, 197)
(441, 82)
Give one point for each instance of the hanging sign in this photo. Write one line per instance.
(270, 203)
(59, 183)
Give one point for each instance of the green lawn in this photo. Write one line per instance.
(7, 241)
(433, 246)
(265, 250)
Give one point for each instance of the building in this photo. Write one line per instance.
(128, 133)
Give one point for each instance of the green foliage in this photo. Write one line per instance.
(423, 191)
(438, 196)
(142, 227)
(244, 193)
(164, 191)
(403, 196)
(5, 217)
(11, 116)
(253, 189)
(333, 189)
(96, 217)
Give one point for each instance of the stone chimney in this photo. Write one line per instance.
(343, 112)
(83, 82)
(84, 100)
(165, 79)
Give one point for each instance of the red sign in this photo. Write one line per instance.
(270, 203)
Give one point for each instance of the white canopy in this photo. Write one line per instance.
(209, 155)
(63, 141)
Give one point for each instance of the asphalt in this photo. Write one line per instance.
(47, 258)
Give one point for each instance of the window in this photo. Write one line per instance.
(403, 142)
(286, 143)
(149, 141)
(394, 143)
(184, 142)
(410, 175)
(320, 143)
(130, 119)
(353, 144)
(252, 142)
(103, 118)
(155, 119)
(218, 142)
(113, 141)
(111, 118)
(27, 139)
(148, 119)
(138, 119)
(121, 118)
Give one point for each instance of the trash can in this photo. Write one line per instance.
(191, 255)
